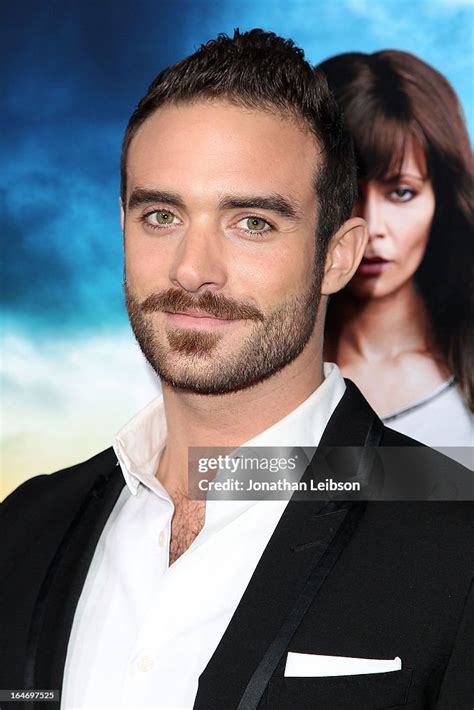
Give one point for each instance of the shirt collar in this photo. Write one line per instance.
(140, 443)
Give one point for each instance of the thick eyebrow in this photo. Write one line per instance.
(273, 203)
(142, 196)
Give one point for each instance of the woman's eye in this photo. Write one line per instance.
(254, 224)
(160, 218)
(403, 194)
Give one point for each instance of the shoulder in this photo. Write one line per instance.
(417, 472)
(404, 469)
(437, 492)
(441, 419)
(68, 480)
(54, 498)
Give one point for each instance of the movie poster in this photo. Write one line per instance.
(72, 373)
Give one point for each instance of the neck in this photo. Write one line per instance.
(381, 328)
(234, 418)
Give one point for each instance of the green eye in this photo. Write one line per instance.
(256, 224)
(157, 219)
(164, 217)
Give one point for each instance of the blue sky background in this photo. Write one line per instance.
(73, 72)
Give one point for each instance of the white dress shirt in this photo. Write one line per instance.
(144, 631)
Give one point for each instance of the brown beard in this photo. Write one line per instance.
(192, 342)
(274, 341)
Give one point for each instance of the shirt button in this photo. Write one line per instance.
(162, 539)
(145, 664)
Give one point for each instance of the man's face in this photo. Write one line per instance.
(219, 234)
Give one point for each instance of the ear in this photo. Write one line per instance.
(345, 251)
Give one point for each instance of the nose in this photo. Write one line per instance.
(199, 260)
(370, 208)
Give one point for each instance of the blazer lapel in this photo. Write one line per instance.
(305, 545)
(61, 589)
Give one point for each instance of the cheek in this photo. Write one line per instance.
(281, 272)
(411, 234)
(145, 265)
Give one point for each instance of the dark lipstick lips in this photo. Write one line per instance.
(372, 266)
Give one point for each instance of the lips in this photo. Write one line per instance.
(196, 314)
(372, 266)
(197, 319)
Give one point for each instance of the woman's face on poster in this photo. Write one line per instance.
(399, 211)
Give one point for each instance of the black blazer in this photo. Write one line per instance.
(369, 580)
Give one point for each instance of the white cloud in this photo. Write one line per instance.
(384, 21)
(416, 24)
(63, 399)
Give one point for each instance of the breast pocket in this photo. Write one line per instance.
(372, 691)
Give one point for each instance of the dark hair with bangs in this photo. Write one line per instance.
(391, 99)
(260, 70)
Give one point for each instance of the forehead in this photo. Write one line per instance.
(209, 147)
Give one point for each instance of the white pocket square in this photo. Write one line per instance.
(311, 665)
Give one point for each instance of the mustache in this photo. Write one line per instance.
(173, 300)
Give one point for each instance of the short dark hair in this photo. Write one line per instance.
(260, 70)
